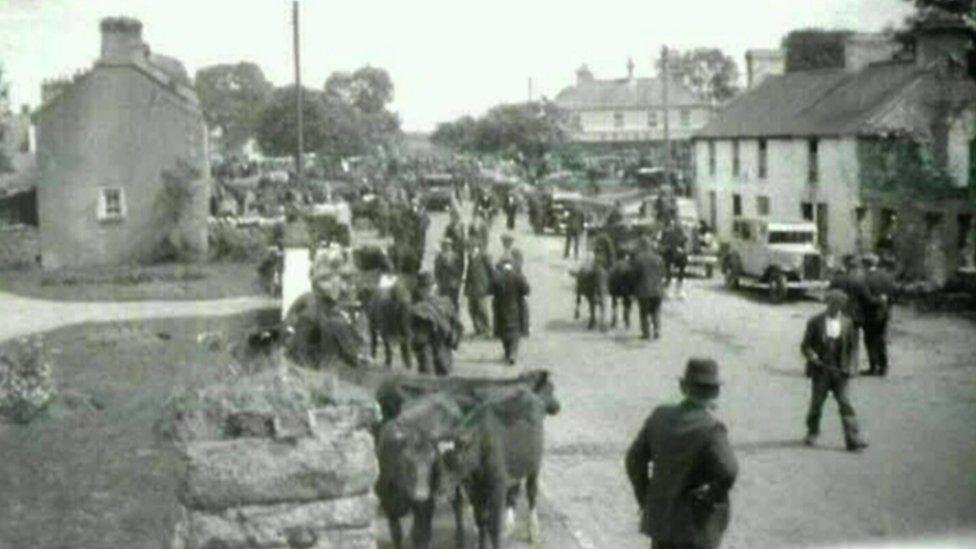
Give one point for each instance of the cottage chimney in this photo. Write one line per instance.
(583, 75)
(121, 40)
(939, 35)
(630, 68)
(763, 63)
(863, 49)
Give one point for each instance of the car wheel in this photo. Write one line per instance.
(777, 287)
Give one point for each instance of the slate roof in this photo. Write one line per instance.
(624, 92)
(882, 98)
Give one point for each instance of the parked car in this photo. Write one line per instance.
(437, 191)
(781, 256)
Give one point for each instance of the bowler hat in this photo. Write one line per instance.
(701, 371)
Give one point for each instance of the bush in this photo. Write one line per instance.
(231, 243)
(25, 380)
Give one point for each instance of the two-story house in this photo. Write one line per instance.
(881, 146)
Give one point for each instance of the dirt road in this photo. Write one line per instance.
(917, 479)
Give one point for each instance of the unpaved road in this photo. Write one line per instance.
(916, 481)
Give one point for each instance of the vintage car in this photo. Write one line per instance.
(702, 248)
(780, 256)
(436, 191)
(557, 209)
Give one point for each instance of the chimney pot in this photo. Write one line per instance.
(121, 40)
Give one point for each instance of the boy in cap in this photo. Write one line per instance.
(828, 346)
(685, 502)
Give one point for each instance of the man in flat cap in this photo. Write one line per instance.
(828, 346)
(877, 312)
(321, 333)
(684, 503)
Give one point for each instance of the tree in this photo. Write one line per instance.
(368, 89)
(521, 132)
(708, 72)
(808, 49)
(958, 7)
(277, 127)
(233, 98)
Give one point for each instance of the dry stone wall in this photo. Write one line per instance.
(289, 479)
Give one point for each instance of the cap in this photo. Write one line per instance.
(701, 371)
(835, 296)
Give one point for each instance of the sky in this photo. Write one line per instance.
(447, 58)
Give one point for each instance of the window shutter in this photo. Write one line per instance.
(102, 205)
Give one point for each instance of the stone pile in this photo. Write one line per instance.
(278, 476)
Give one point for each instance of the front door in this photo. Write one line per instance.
(822, 226)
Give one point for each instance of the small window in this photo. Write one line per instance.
(735, 158)
(736, 205)
(813, 160)
(111, 203)
(618, 120)
(711, 157)
(685, 117)
(806, 211)
(762, 158)
(762, 205)
(651, 119)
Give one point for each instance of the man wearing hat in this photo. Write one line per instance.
(509, 251)
(877, 312)
(321, 333)
(509, 289)
(649, 273)
(828, 346)
(448, 271)
(434, 327)
(684, 503)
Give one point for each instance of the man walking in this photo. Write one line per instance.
(852, 282)
(877, 312)
(509, 251)
(648, 272)
(828, 348)
(477, 286)
(574, 228)
(684, 503)
(509, 289)
(448, 270)
(435, 329)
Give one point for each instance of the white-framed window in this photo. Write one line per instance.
(651, 119)
(111, 203)
(762, 205)
(618, 120)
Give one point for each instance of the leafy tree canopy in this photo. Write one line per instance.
(233, 97)
(708, 72)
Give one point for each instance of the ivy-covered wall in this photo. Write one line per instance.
(904, 169)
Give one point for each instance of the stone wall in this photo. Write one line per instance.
(278, 479)
(19, 246)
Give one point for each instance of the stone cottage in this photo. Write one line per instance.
(122, 153)
(883, 146)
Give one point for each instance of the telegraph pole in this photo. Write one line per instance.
(664, 102)
(299, 153)
(530, 89)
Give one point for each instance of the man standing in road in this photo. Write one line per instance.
(435, 329)
(649, 271)
(509, 289)
(684, 503)
(575, 223)
(448, 270)
(477, 286)
(828, 348)
(852, 282)
(877, 312)
(511, 208)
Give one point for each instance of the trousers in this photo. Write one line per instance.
(510, 343)
(571, 239)
(479, 315)
(649, 308)
(823, 384)
(875, 339)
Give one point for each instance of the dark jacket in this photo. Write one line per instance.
(881, 286)
(321, 335)
(859, 297)
(509, 289)
(448, 270)
(686, 499)
(828, 357)
(478, 281)
(648, 274)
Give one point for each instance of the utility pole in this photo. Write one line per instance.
(300, 151)
(667, 112)
(530, 89)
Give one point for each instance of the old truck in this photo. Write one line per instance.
(779, 256)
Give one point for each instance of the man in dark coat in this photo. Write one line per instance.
(510, 251)
(575, 224)
(448, 271)
(509, 289)
(456, 234)
(648, 272)
(511, 208)
(877, 312)
(685, 503)
(435, 329)
(674, 243)
(477, 286)
(828, 344)
(321, 334)
(852, 282)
